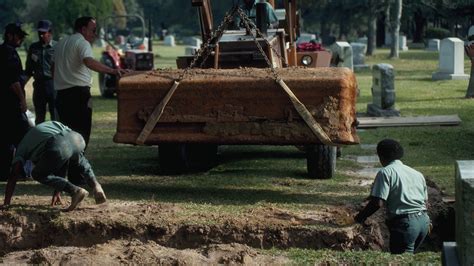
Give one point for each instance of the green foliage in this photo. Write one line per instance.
(10, 11)
(437, 33)
(331, 257)
(63, 13)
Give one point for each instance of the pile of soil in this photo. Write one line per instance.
(118, 232)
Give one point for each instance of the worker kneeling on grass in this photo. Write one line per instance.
(54, 149)
(404, 192)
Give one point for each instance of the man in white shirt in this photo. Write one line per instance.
(73, 77)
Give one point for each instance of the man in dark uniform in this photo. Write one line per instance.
(39, 65)
(12, 96)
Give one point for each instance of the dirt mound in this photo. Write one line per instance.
(136, 252)
(164, 233)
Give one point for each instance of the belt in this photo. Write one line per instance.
(409, 215)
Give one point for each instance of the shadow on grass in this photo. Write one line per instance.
(220, 196)
(262, 160)
(195, 191)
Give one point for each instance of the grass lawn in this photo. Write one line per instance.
(249, 176)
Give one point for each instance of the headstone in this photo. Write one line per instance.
(191, 50)
(451, 60)
(383, 91)
(193, 41)
(343, 52)
(461, 252)
(388, 38)
(169, 41)
(464, 189)
(306, 37)
(433, 45)
(402, 41)
(363, 40)
(358, 51)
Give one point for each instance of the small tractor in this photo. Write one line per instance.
(124, 51)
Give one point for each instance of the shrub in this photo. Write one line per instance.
(437, 33)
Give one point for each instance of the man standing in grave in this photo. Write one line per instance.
(403, 191)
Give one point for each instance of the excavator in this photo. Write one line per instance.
(243, 87)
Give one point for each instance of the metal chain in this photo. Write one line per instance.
(217, 35)
(247, 23)
(206, 47)
(244, 17)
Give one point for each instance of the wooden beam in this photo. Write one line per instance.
(440, 120)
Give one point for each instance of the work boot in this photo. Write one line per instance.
(99, 195)
(76, 198)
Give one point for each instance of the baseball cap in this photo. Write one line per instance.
(15, 28)
(44, 25)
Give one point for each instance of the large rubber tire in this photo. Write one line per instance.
(179, 158)
(107, 82)
(321, 161)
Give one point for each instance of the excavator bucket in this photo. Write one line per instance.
(239, 106)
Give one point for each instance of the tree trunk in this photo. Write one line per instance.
(420, 24)
(371, 34)
(396, 14)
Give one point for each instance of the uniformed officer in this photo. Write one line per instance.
(404, 192)
(12, 96)
(39, 65)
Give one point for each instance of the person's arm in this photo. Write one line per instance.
(16, 88)
(17, 171)
(29, 66)
(369, 209)
(470, 52)
(99, 67)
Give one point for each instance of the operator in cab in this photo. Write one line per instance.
(250, 9)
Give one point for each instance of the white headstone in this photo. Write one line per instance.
(363, 40)
(358, 51)
(169, 41)
(191, 50)
(344, 51)
(402, 41)
(192, 41)
(388, 38)
(451, 60)
(433, 45)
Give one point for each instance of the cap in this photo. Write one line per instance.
(44, 25)
(15, 28)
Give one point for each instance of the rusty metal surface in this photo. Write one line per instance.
(238, 106)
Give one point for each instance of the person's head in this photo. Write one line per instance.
(249, 3)
(14, 34)
(45, 31)
(86, 26)
(389, 150)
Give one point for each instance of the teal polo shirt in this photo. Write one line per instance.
(34, 142)
(402, 187)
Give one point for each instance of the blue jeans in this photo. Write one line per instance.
(407, 233)
(62, 153)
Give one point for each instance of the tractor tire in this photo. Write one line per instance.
(179, 158)
(321, 161)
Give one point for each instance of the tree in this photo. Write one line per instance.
(63, 13)
(395, 16)
(10, 11)
(374, 8)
